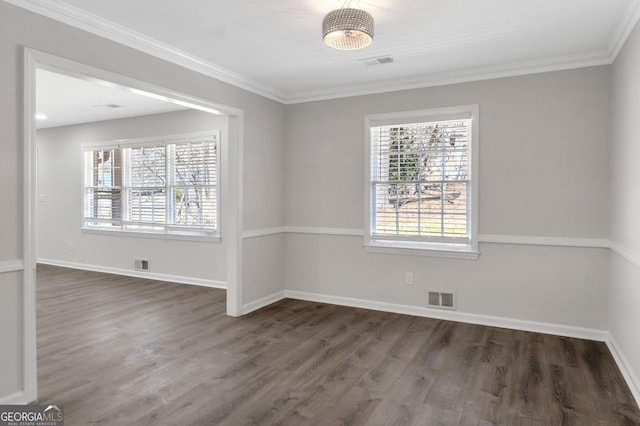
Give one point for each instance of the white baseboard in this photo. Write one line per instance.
(13, 399)
(625, 367)
(261, 303)
(137, 274)
(538, 327)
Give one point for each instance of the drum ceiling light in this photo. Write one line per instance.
(347, 29)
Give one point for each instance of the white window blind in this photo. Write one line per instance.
(145, 186)
(103, 180)
(194, 183)
(421, 181)
(166, 186)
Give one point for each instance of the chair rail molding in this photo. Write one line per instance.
(7, 266)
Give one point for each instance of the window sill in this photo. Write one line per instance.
(451, 251)
(153, 235)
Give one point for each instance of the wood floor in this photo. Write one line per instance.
(124, 351)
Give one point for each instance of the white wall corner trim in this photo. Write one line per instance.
(626, 253)
(491, 321)
(7, 266)
(545, 241)
(264, 232)
(137, 274)
(13, 399)
(262, 302)
(625, 367)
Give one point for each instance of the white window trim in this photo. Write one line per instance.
(397, 246)
(193, 236)
(170, 232)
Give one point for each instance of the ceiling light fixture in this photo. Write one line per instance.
(347, 28)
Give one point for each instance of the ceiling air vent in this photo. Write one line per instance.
(377, 61)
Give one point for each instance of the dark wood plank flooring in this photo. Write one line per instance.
(123, 351)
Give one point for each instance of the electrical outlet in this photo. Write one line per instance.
(408, 278)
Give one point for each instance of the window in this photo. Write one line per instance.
(165, 185)
(422, 182)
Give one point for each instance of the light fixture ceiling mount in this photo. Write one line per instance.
(347, 29)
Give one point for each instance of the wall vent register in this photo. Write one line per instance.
(441, 299)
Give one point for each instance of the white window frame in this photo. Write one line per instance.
(167, 231)
(420, 246)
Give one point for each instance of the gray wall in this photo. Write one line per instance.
(60, 171)
(262, 157)
(544, 167)
(624, 283)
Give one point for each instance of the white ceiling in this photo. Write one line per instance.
(274, 47)
(69, 100)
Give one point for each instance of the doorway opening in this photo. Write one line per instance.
(55, 195)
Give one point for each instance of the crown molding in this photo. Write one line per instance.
(625, 27)
(467, 75)
(93, 24)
